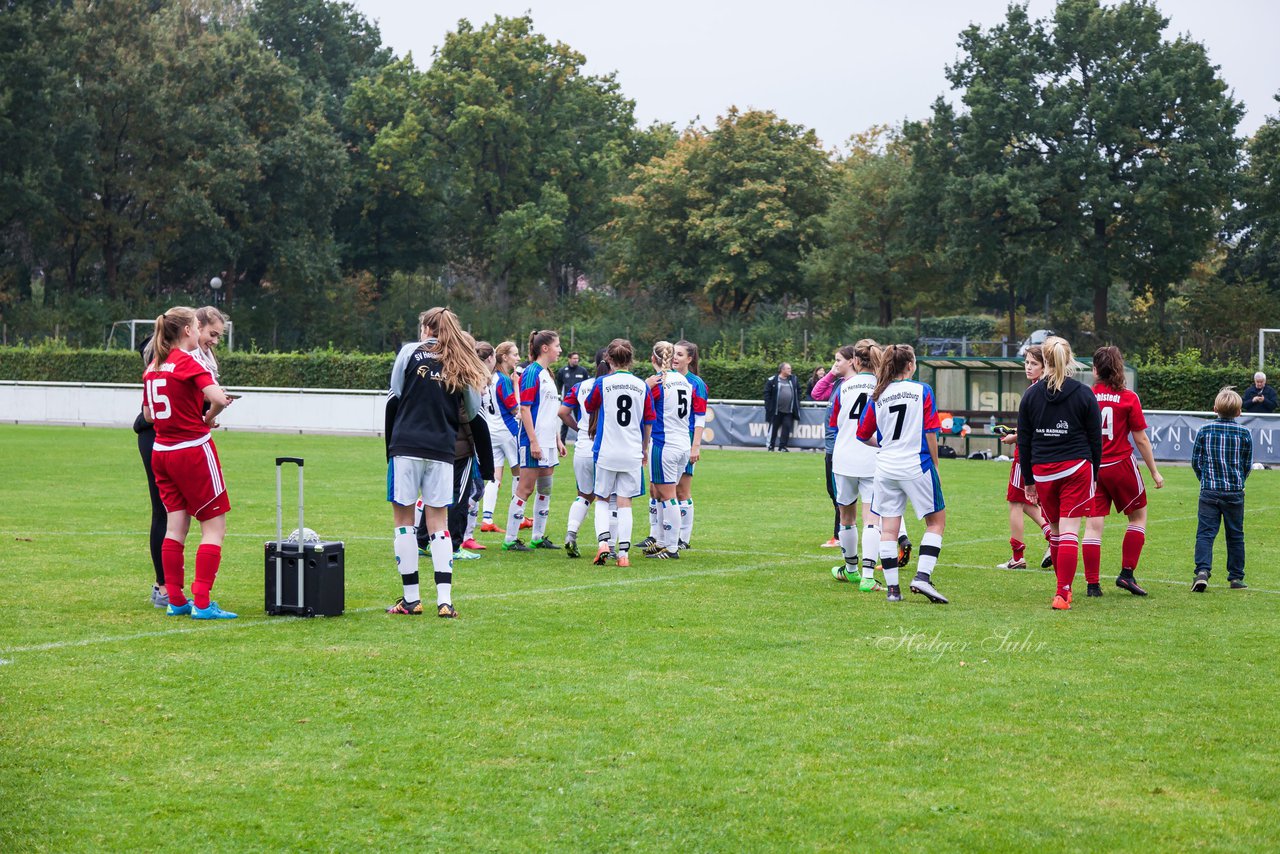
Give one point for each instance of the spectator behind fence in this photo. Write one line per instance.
(781, 406)
(1259, 398)
(1221, 458)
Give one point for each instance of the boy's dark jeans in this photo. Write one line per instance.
(1227, 507)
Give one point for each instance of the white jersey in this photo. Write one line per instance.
(850, 457)
(538, 392)
(623, 401)
(672, 403)
(900, 420)
(575, 398)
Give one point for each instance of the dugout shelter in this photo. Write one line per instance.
(984, 391)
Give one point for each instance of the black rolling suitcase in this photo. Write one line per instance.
(302, 579)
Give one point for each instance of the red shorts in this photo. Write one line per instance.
(1015, 494)
(190, 479)
(1119, 484)
(1065, 489)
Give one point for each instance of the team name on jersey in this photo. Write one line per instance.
(1105, 397)
(167, 368)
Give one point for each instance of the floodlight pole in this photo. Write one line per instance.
(1262, 347)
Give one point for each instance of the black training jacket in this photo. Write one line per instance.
(1054, 426)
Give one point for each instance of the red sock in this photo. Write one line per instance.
(1091, 551)
(1019, 548)
(1048, 532)
(207, 559)
(175, 571)
(1053, 550)
(1064, 563)
(1131, 550)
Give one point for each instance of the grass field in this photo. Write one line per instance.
(737, 700)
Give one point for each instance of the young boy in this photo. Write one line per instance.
(1221, 458)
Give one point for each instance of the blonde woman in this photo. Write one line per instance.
(1060, 451)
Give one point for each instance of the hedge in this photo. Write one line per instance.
(1177, 386)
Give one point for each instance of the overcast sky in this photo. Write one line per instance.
(837, 67)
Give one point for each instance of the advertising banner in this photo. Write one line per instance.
(1173, 434)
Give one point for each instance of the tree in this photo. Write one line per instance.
(727, 214)
(1255, 255)
(869, 245)
(530, 149)
(1092, 151)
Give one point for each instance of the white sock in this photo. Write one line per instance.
(670, 525)
(473, 516)
(604, 519)
(624, 529)
(930, 546)
(655, 519)
(577, 513)
(442, 562)
(419, 513)
(686, 520)
(515, 515)
(613, 518)
(490, 500)
(541, 511)
(889, 555)
(870, 550)
(849, 545)
(406, 551)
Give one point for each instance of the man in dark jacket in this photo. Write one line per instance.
(781, 406)
(1259, 398)
(566, 378)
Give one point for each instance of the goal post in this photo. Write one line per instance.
(1262, 347)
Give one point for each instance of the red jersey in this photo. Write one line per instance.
(173, 392)
(1121, 415)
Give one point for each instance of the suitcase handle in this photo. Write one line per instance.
(280, 461)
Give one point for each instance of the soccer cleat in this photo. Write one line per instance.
(571, 549)
(159, 596)
(624, 560)
(894, 594)
(646, 543)
(1046, 562)
(613, 554)
(839, 574)
(1128, 582)
(1060, 603)
(904, 552)
(1093, 591)
(602, 555)
(870, 585)
(470, 543)
(663, 554)
(516, 546)
(463, 554)
(922, 585)
(213, 612)
(833, 543)
(544, 543)
(1239, 585)
(490, 528)
(684, 547)
(403, 607)
(1020, 563)
(183, 610)
(653, 548)
(446, 610)
(526, 523)
(1201, 582)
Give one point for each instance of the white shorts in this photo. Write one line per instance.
(584, 468)
(410, 477)
(668, 464)
(506, 454)
(626, 484)
(849, 489)
(924, 491)
(550, 457)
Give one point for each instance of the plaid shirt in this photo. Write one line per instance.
(1222, 456)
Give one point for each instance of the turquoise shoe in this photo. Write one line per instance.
(213, 612)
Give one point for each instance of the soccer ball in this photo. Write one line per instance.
(1258, 467)
(308, 536)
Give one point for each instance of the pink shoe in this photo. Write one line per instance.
(471, 545)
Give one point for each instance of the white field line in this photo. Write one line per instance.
(265, 621)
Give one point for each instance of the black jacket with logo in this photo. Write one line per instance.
(423, 415)
(1055, 426)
